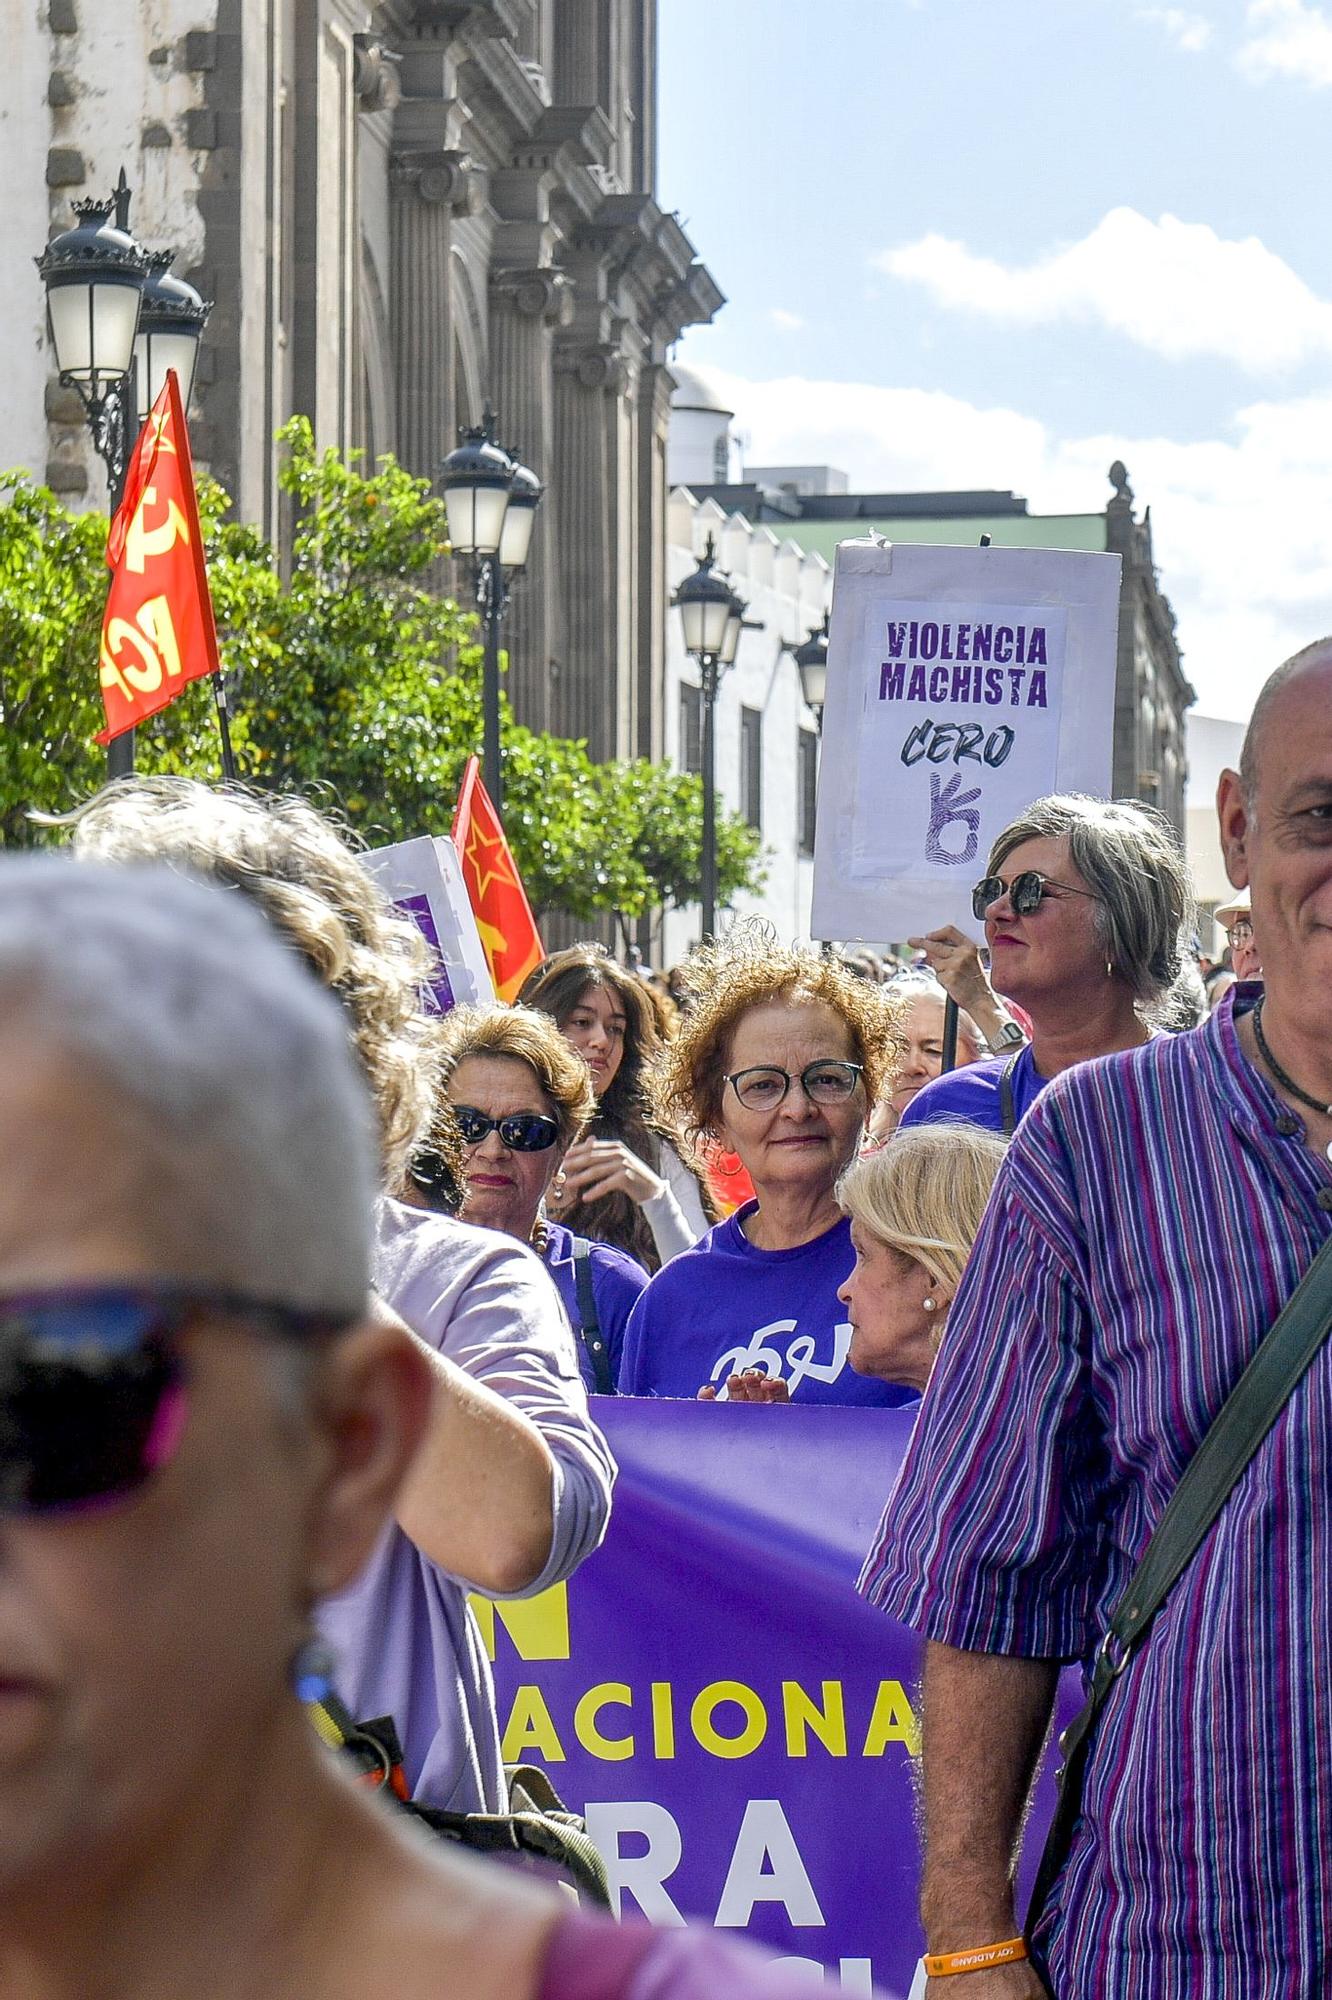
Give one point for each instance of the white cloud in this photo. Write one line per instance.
(786, 322)
(1174, 287)
(1189, 32)
(1287, 38)
(1238, 521)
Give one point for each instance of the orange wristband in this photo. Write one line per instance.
(943, 1964)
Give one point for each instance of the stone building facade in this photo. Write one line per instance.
(403, 212)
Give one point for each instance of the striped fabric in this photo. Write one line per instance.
(1153, 1215)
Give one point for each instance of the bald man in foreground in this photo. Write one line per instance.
(1155, 1212)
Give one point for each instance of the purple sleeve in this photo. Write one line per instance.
(991, 1540)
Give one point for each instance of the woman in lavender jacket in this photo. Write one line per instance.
(512, 1487)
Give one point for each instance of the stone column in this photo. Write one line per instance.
(652, 418)
(525, 305)
(588, 695)
(422, 194)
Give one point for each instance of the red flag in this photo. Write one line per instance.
(499, 902)
(158, 632)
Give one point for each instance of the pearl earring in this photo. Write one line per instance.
(1109, 970)
(928, 1305)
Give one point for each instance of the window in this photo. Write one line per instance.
(807, 779)
(751, 765)
(691, 728)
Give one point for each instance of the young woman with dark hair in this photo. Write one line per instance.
(628, 1181)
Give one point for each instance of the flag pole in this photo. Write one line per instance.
(224, 725)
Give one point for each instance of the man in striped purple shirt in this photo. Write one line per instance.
(1156, 1210)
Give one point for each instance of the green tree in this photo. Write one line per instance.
(352, 675)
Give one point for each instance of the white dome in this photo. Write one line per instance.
(694, 391)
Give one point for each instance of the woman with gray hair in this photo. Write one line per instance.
(1086, 904)
(512, 1487)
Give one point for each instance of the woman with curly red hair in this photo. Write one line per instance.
(779, 1058)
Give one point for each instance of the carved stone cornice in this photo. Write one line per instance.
(539, 292)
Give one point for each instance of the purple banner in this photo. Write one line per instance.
(439, 989)
(738, 1725)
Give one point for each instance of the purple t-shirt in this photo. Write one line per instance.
(618, 1281)
(725, 1306)
(973, 1095)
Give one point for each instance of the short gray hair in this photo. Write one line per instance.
(922, 985)
(232, 1070)
(1130, 858)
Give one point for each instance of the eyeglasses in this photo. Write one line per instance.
(1025, 892)
(521, 1131)
(827, 1082)
(93, 1386)
(1240, 933)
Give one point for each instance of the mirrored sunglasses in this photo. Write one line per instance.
(1025, 892)
(521, 1131)
(93, 1386)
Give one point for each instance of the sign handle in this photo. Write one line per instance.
(950, 1035)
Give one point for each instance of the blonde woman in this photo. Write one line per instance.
(915, 1207)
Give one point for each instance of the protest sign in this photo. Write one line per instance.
(424, 878)
(739, 1726)
(962, 684)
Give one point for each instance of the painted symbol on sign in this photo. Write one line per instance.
(949, 806)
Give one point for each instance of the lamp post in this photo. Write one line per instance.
(117, 323)
(713, 618)
(812, 665)
(491, 502)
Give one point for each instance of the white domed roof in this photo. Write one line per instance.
(695, 391)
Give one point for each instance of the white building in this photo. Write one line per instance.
(1213, 746)
(767, 740)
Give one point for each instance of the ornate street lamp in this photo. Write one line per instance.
(491, 502)
(812, 665)
(117, 323)
(712, 617)
(94, 276)
(171, 323)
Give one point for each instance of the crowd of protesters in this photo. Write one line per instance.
(335, 1320)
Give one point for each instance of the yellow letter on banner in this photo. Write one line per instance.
(802, 1714)
(611, 1749)
(891, 1722)
(663, 1719)
(705, 1731)
(531, 1726)
(143, 542)
(538, 1626)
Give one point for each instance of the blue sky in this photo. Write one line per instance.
(1001, 242)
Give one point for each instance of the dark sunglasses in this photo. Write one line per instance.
(93, 1386)
(1025, 892)
(521, 1131)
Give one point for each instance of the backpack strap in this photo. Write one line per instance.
(589, 1323)
(1276, 1369)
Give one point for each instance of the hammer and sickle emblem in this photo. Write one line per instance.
(143, 542)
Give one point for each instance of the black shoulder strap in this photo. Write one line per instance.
(1007, 1107)
(1241, 1424)
(589, 1325)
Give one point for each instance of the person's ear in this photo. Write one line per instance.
(372, 1407)
(1235, 823)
